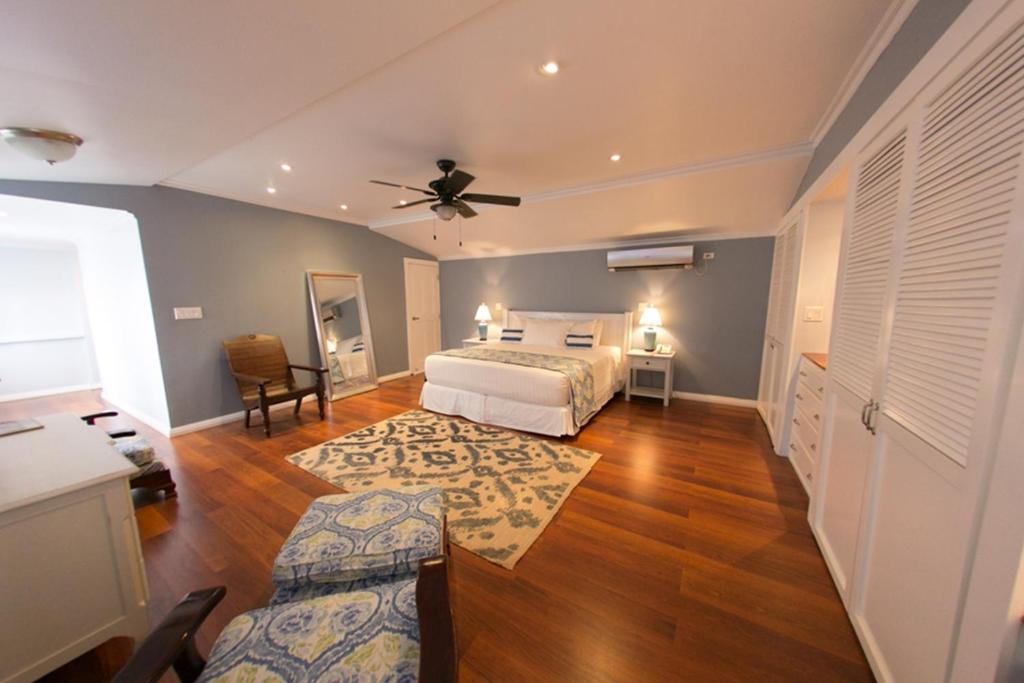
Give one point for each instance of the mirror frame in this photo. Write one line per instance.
(364, 321)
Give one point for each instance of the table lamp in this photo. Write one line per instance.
(650, 319)
(483, 316)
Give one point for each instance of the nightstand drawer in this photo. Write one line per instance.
(649, 363)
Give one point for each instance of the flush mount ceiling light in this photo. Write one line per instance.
(271, 190)
(286, 168)
(50, 146)
(343, 207)
(549, 68)
(615, 157)
(402, 202)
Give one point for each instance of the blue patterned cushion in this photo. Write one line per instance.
(138, 451)
(358, 536)
(370, 635)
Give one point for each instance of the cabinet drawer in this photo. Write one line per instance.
(812, 376)
(807, 434)
(803, 465)
(810, 404)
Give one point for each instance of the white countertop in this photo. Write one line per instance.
(65, 455)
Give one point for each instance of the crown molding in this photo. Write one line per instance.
(614, 244)
(883, 34)
(800, 150)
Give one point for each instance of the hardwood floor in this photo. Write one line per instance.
(684, 555)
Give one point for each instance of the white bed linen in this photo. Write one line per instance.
(523, 384)
(353, 364)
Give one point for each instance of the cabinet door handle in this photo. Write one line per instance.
(864, 414)
(871, 417)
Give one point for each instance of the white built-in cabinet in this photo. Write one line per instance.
(929, 303)
(775, 364)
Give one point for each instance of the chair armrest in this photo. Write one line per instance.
(306, 367)
(255, 379)
(439, 659)
(91, 419)
(172, 642)
(122, 433)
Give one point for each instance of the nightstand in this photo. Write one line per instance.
(475, 341)
(650, 362)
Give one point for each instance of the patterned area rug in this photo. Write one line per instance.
(501, 488)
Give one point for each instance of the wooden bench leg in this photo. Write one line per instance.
(265, 411)
(298, 405)
(157, 481)
(247, 412)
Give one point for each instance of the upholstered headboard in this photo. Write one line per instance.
(616, 331)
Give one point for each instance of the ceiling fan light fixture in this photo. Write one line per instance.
(51, 146)
(445, 212)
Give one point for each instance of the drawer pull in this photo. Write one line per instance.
(803, 374)
(817, 416)
(814, 447)
(796, 422)
(810, 477)
(792, 446)
(799, 396)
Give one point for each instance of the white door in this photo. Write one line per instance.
(422, 310)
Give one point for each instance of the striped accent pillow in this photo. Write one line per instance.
(579, 341)
(512, 334)
(358, 346)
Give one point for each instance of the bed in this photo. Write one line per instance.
(533, 388)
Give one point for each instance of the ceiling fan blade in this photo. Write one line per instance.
(464, 209)
(404, 187)
(491, 199)
(457, 181)
(418, 201)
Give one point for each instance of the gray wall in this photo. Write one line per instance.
(245, 265)
(715, 321)
(924, 25)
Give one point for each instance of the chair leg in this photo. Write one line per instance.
(157, 481)
(265, 411)
(320, 403)
(247, 411)
(298, 405)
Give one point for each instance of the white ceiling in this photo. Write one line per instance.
(711, 104)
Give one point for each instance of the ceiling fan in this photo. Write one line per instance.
(447, 191)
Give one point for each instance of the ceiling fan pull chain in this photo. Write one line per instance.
(435, 227)
(460, 229)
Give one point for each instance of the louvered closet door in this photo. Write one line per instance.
(957, 300)
(775, 288)
(853, 354)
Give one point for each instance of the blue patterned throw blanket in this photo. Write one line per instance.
(579, 373)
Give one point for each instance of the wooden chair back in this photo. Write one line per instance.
(260, 355)
(439, 660)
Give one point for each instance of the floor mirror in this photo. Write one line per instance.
(343, 332)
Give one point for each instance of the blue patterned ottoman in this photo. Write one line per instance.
(370, 635)
(357, 540)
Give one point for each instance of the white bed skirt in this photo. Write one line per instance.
(502, 412)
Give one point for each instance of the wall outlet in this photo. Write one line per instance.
(814, 314)
(188, 313)
(709, 255)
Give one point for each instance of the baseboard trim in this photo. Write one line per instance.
(712, 398)
(224, 419)
(393, 376)
(47, 392)
(161, 426)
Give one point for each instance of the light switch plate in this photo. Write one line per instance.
(814, 314)
(188, 313)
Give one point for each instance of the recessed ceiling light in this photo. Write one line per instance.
(3, 214)
(286, 167)
(549, 69)
(344, 207)
(402, 202)
(271, 190)
(615, 157)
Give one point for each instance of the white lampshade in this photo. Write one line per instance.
(650, 317)
(483, 314)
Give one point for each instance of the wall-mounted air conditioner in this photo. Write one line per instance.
(660, 257)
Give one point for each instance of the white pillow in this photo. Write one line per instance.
(584, 334)
(545, 332)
